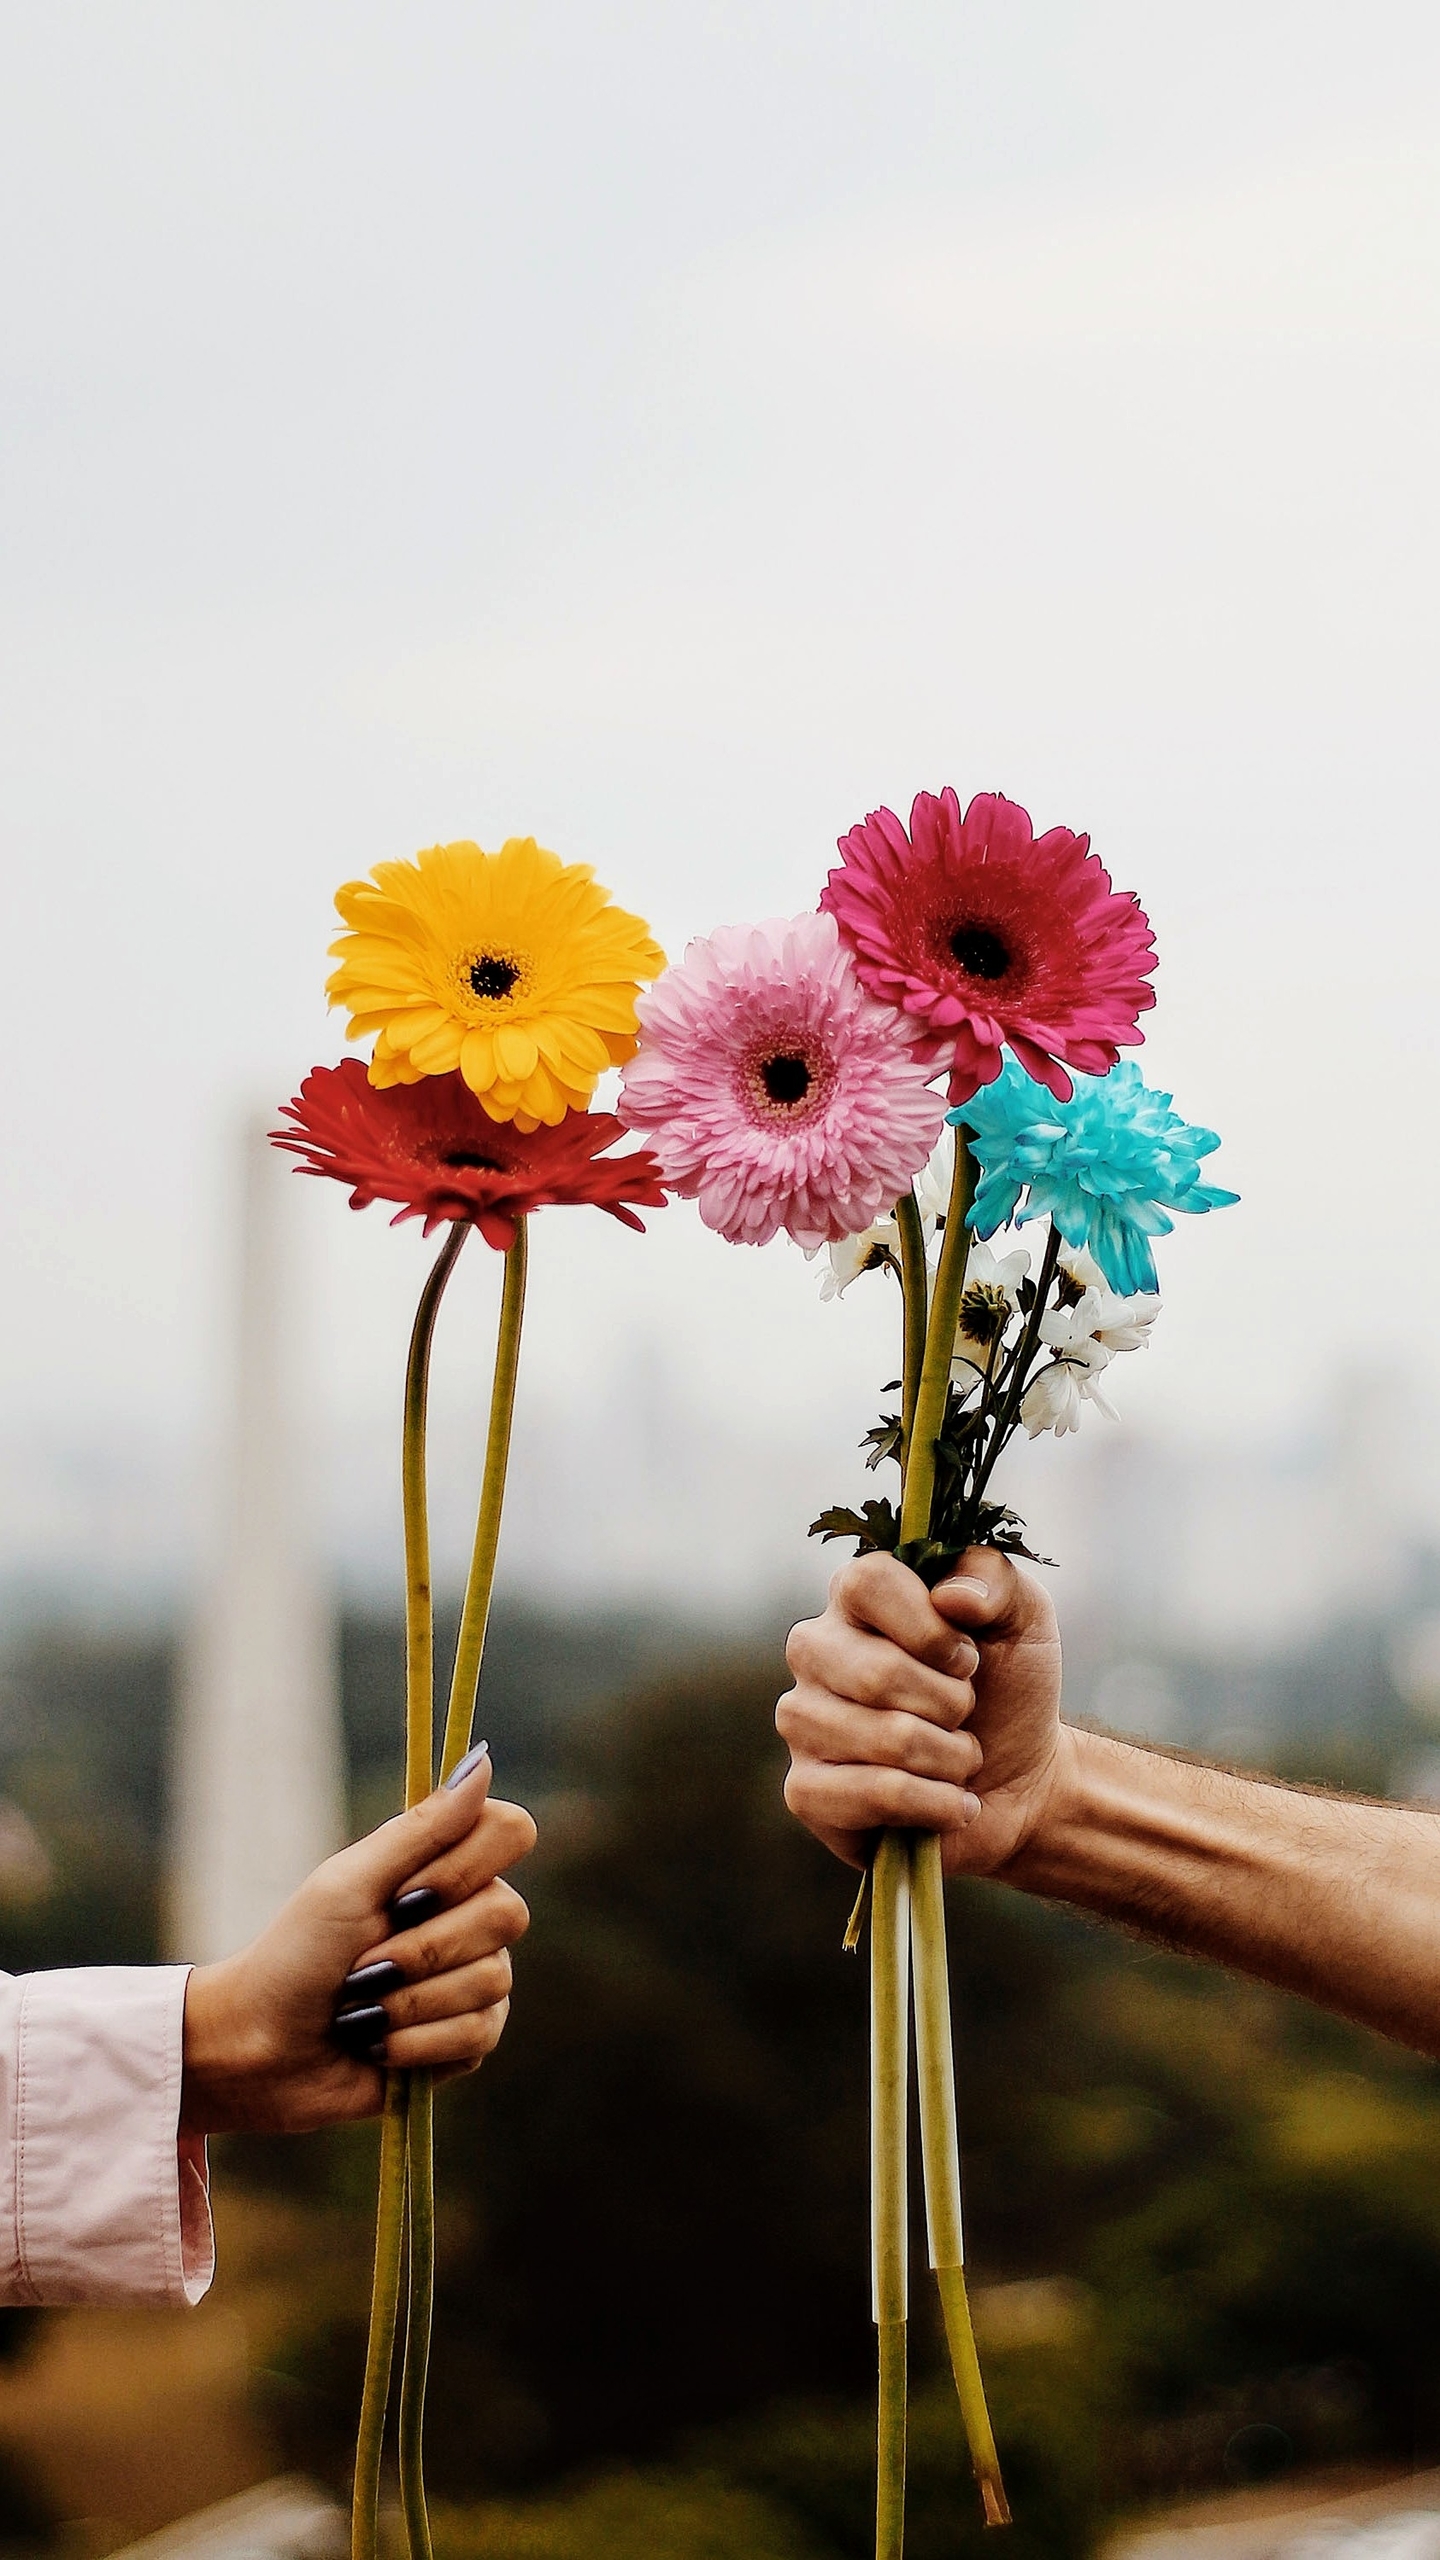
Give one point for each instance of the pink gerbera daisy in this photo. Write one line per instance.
(985, 932)
(775, 1090)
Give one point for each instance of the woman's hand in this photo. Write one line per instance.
(926, 1710)
(260, 2051)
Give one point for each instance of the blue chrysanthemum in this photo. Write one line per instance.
(1108, 1166)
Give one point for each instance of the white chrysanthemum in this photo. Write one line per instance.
(1055, 1399)
(844, 1262)
(1085, 1337)
(1116, 1324)
(988, 1300)
(872, 1250)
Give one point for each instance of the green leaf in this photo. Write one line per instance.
(883, 1441)
(875, 1527)
(837, 1524)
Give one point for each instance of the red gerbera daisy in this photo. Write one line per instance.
(986, 932)
(432, 1147)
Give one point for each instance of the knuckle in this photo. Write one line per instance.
(957, 1705)
(857, 1584)
(513, 1833)
(872, 1681)
(801, 1718)
(798, 1790)
(897, 1741)
(486, 2029)
(800, 1647)
(512, 1916)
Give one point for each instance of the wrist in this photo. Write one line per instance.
(1061, 1810)
(225, 2052)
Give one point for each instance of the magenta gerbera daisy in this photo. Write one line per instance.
(775, 1090)
(984, 932)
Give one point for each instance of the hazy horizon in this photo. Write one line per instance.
(672, 434)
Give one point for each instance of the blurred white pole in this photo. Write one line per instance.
(257, 1789)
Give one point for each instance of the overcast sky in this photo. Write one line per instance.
(672, 431)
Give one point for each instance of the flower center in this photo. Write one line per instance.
(979, 951)
(490, 975)
(787, 1078)
(465, 1160)
(984, 1312)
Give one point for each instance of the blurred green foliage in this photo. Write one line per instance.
(654, 2246)
(1204, 2220)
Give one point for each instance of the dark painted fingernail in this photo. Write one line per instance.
(371, 1981)
(472, 1760)
(408, 1910)
(360, 2030)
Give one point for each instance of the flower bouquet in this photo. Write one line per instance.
(787, 1080)
(498, 987)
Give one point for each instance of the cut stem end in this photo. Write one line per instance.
(855, 1925)
(995, 2502)
(970, 2391)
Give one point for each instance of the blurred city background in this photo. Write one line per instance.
(673, 432)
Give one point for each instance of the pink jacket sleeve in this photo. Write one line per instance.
(102, 2198)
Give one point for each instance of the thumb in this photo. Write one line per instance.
(984, 1591)
(389, 1857)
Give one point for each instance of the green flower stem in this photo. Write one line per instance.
(420, 2130)
(420, 2185)
(890, 2443)
(384, 2308)
(940, 2148)
(390, 2211)
(1020, 1368)
(915, 1286)
(940, 2143)
(914, 1283)
(419, 1602)
(929, 1419)
(476, 1613)
(889, 2078)
(970, 2384)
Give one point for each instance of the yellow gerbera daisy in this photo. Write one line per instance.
(512, 966)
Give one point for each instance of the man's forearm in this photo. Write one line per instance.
(1319, 1894)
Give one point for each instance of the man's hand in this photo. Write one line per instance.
(259, 2052)
(937, 1711)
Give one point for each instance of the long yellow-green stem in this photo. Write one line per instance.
(934, 2051)
(420, 2310)
(475, 1615)
(929, 1419)
(384, 2308)
(420, 2130)
(940, 2149)
(915, 1292)
(889, 2089)
(419, 1747)
(419, 1604)
(892, 2337)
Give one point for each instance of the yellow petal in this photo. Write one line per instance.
(515, 1051)
(477, 1061)
(437, 1052)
